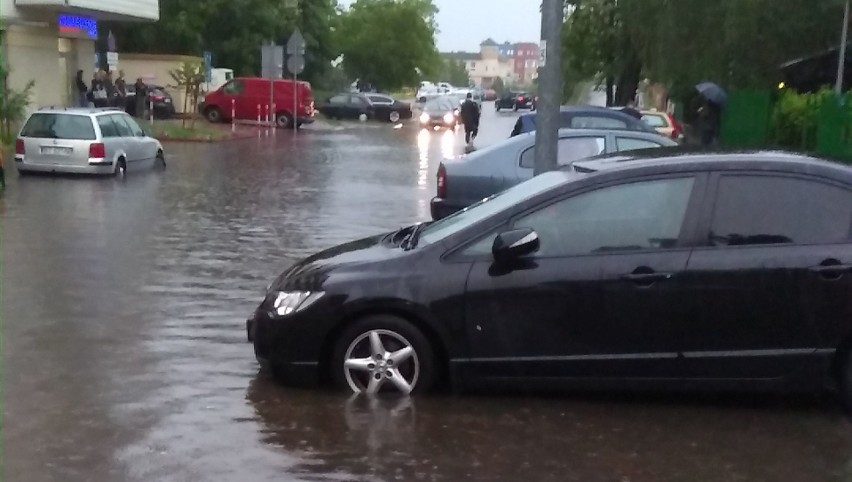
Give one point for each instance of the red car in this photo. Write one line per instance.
(240, 98)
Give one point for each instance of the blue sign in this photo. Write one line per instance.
(208, 66)
(77, 24)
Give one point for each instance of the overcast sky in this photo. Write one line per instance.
(463, 24)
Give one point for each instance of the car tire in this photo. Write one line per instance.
(515, 108)
(284, 120)
(120, 168)
(423, 99)
(845, 384)
(355, 343)
(393, 116)
(160, 161)
(213, 115)
(497, 107)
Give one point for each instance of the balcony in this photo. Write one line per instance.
(118, 10)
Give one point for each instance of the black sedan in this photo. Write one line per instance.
(440, 112)
(164, 105)
(671, 271)
(515, 101)
(389, 109)
(374, 106)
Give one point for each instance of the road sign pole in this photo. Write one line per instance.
(841, 60)
(550, 87)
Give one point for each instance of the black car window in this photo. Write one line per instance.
(570, 149)
(631, 144)
(108, 127)
(234, 87)
(134, 127)
(596, 122)
(357, 100)
(773, 209)
(338, 99)
(380, 99)
(636, 216)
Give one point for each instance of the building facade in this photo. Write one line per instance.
(48, 41)
(526, 57)
(516, 64)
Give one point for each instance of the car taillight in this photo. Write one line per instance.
(97, 151)
(157, 97)
(677, 129)
(19, 147)
(520, 98)
(442, 181)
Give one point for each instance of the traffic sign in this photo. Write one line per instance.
(112, 60)
(272, 59)
(296, 64)
(208, 66)
(542, 54)
(296, 44)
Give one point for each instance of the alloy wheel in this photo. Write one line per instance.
(381, 361)
(394, 116)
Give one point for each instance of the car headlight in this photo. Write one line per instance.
(424, 117)
(287, 302)
(449, 117)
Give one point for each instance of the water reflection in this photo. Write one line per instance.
(448, 144)
(423, 140)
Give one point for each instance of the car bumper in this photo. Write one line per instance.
(440, 208)
(102, 169)
(305, 119)
(289, 346)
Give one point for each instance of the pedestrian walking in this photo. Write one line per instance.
(708, 123)
(80, 90)
(470, 118)
(121, 91)
(98, 94)
(109, 87)
(141, 97)
(631, 110)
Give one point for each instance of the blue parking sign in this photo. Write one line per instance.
(208, 66)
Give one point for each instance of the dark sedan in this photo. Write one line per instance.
(469, 178)
(585, 117)
(440, 112)
(389, 109)
(164, 105)
(347, 106)
(720, 271)
(515, 101)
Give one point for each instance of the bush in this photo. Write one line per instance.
(13, 106)
(795, 117)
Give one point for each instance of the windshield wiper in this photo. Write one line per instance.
(410, 241)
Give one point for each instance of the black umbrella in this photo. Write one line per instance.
(712, 92)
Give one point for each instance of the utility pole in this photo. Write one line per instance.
(549, 86)
(841, 61)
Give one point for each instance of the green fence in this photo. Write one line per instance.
(820, 123)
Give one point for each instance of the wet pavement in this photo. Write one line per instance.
(124, 355)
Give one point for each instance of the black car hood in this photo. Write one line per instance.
(313, 271)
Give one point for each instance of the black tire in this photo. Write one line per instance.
(160, 161)
(213, 115)
(284, 120)
(120, 168)
(515, 108)
(393, 116)
(497, 107)
(845, 384)
(424, 353)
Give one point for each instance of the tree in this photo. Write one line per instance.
(13, 105)
(453, 71)
(189, 77)
(498, 85)
(388, 43)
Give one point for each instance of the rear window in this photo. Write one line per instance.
(592, 122)
(655, 120)
(59, 126)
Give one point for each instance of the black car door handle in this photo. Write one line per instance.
(646, 279)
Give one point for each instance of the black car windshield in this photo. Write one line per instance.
(441, 104)
(489, 206)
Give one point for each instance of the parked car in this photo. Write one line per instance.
(719, 271)
(475, 176)
(85, 141)
(164, 105)
(664, 123)
(247, 95)
(515, 101)
(427, 93)
(347, 106)
(441, 112)
(585, 117)
(462, 96)
(387, 108)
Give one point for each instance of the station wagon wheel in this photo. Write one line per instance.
(383, 355)
(393, 116)
(120, 168)
(161, 159)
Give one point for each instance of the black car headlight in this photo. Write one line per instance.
(287, 302)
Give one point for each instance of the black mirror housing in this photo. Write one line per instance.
(511, 245)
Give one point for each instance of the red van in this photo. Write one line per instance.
(245, 94)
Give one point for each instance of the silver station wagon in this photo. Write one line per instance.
(85, 141)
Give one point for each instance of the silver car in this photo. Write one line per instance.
(85, 141)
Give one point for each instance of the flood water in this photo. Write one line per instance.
(124, 354)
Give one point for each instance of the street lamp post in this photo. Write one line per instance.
(841, 61)
(550, 87)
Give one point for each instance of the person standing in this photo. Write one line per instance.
(470, 118)
(98, 92)
(141, 97)
(109, 87)
(121, 91)
(81, 90)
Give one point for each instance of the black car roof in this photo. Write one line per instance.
(675, 159)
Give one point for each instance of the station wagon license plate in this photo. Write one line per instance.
(56, 151)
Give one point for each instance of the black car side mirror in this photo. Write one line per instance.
(511, 245)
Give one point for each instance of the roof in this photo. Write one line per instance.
(79, 110)
(489, 42)
(675, 159)
(462, 55)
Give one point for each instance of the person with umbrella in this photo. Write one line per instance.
(710, 112)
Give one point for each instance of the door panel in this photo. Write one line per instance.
(601, 298)
(755, 295)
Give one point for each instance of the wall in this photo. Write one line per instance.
(154, 69)
(33, 55)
